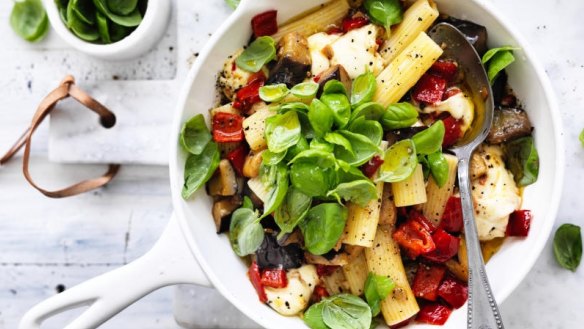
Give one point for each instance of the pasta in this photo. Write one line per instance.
(336, 282)
(410, 191)
(438, 196)
(362, 221)
(356, 273)
(317, 21)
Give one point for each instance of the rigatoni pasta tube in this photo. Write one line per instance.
(405, 70)
(418, 18)
(410, 191)
(438, 196)
(384, 259)
(335, 283)
(318, 21)
(362, 221)
(356, 274)
(388, 212)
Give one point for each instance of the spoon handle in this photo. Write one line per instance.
(483, 312)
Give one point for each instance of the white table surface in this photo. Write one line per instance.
(45, 243)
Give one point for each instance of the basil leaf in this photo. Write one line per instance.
(298, 148)
(273, 93)
(338, 139)
(275, 179)
(313, 316)
(568, 246)
(323, 226)
(320, 117)
(270, 158)
(399, 162)
(260, 52)
(292, 211)
(492, 52)
(282, 131)
(347, 173)
(245, 232)
(371, 111)
(429, 141)
(122, 7)
(497, 59)
(340, 106)
(199, 168)
(523, 161)
(363, 89)
(377, 288)
(581, 137)
(312, 179)
(131, 20)
(368, 128)
(233, 3)
(438, 167)
(247, 203)
(29, 20)
(321, 145)
(359, 192)
(334, 87)
(319, 157)
(345, 311)
(293, 106)
(399, 115)
(305, 125)
(384, 12)
(195, 135)
(363, 148)
(305, 90)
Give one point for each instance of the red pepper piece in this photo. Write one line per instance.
(379, 42)
(325, 270)
(434, 313)
(370, 168)
(256, 280)
(427, 281)
(454, 292)
(429, 89)
(319, 293)
(444, 68)
(351, 23)
(452, 131)
(275, 278)
(265, 23)
(519, 223)
(451, 92)
(334, 30)
(418, 217)
(250, 94)
(414, 238)
(227, 127)
(446, 246)
(452, 217)
(237, 158)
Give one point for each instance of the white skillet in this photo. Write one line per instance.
(189, 251)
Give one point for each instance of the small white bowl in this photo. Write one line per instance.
(142, 39)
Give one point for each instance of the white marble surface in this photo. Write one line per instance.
(50, 242)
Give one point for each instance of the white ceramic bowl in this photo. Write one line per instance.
(192, 231)
(142, 39)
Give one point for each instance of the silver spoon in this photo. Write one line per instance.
(483, 312)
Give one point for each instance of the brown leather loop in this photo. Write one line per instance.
(107, 118)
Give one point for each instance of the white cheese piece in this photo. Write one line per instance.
(295, 297)
(232, 77)
(357, 52)
(316, 43)
(495, 195)
(460, 106)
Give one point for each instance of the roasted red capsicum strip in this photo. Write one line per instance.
(256, 280)
(454, 292)
(325, 270)
(519, 223)
(429, 89)
(370, 168)
(414, 238)
(227, 127)
(265, 23)
(247, 96)
(275, 278)
(444, 68)
(434, 313)
(418, 217)
(452, 131)
(351, 23)
(427, 281)
(452, 218)
(319, 293)
(446, 246)
(237, 158)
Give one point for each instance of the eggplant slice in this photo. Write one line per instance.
(271, 255)
(475, 34)
(509, 124)
(294, 61)
(335, 72)
(222, 210)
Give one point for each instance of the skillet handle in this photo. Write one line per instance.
(169, 262)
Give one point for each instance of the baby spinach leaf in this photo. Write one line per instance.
(523, 161)
(346, 311)
(292, 211)
(363, 89)
(312, 179)
(321, 117)
(323, 226)
(118, 32)
(275, 179)
(273, 93)
(438, 167)
(369, 128)
(338, 139)
(568, 246)
(270, 158)
(340, 106)
(29, 20)
(245, 232)
(497, 59)
(399, 115)
(370, 110)
(313, 316)
(195, 135)
(305, 90)
(85, 10)
(334, 87)
(102, 27)
(384, 12)
(399, 162)
(429, 141)
(282, 131)
(260, 52)
(377, 288)
(358, 191)
(199, 168)
(363, 148)
(122, 7)
(131, 20)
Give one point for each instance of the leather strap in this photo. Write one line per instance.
(66, 89)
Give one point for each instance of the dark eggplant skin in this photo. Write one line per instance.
(509, 124)
(476, 34)
(271, 255)
(335, 72)
(294, 61)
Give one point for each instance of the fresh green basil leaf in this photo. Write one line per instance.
(282, 131)
(581, 137)
(568, 246)
(273, 93)
(323, 226)
(305, 90)
(321, 117)
(260, 52)
(305, 125)
(438, 167)
(299, 147)
(293, 106)
(369, 128)
(384, 12)
(363, 148)
(247, 203)
(319, 157)
(339, 104)
(321, 145)
(359, 192)
(270, 158)
(492, 52)
(370, 110)
(377, 288)
(313, 316)
(334, 87)
(311, 179)
(233, 3)
(122, 7)
(363, 89)
(345, 311)
(29, 20)
(195, 135)
(102, 27)
(292, 211)
(245, 232)
(338, 139)
(275, 178)
(131, 20)
(347, 173)
(429, 141)
(498, 63)
(199, 168)
(399, 162)
(399, 115)
(523, 161)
